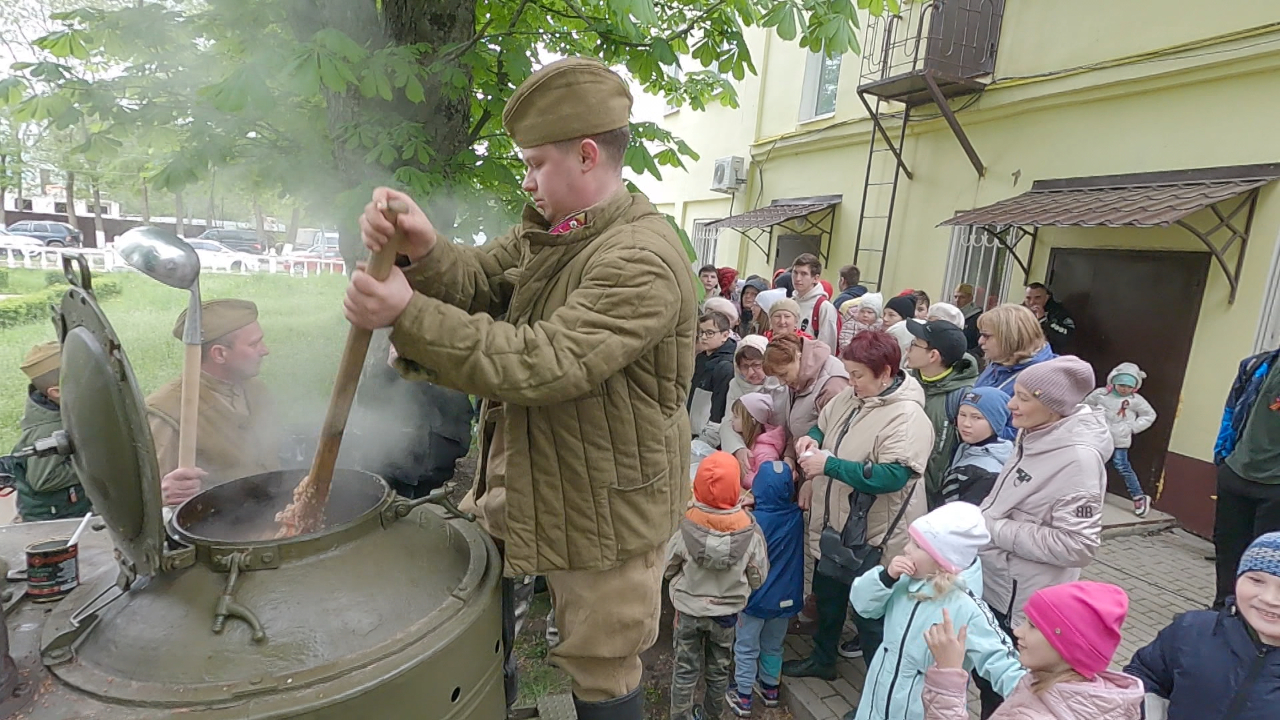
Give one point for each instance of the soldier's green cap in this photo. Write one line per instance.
(567, 99)
(219, 317)
(42, 359)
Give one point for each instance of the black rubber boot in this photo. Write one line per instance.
(808, 667)
(627, 707)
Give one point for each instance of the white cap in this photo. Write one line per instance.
(952, 535)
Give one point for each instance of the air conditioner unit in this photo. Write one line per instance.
(730, 174)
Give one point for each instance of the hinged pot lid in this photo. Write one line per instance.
(104, 413)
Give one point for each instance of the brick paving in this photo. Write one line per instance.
(1165, 574)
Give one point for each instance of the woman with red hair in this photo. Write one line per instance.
(863, 465)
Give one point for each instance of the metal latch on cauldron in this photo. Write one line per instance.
(227, 605)
(401, 508)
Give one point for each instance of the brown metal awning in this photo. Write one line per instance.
(801, 216)
(776, 213)
(1156, 199)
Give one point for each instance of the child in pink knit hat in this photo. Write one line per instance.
(1071, 634)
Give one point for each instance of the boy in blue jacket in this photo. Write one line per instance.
(1222, 664)
(762, 626)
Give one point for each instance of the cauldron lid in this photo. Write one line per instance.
(104, 414)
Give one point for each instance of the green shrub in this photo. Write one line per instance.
(53, 278)
(35, 307)
(4, 280)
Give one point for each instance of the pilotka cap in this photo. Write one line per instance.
(567, 99)
(219, 318)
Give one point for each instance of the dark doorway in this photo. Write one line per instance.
(1141, 307)
(791, 247)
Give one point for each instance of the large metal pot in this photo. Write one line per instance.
(391, 611)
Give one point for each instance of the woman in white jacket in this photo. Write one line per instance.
(1045, 512)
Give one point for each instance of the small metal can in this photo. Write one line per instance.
(53, 569)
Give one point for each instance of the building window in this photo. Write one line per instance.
(1269, 327)
(60, 208)
(821, 81)
(677, 74)
(978, 258)
(704, 243)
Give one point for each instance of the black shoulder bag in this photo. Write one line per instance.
(845, 554)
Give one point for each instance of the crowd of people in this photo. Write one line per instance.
(942, 471)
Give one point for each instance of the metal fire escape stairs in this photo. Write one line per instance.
(929, 53)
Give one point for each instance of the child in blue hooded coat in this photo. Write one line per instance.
(935, 579)
(762, 626)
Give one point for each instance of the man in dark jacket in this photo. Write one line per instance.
(1224, 664)
(712, 373)
(850, 277)
(937, 359)
(1248, 457)
(1059, 328)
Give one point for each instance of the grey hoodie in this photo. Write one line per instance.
(1125, 416)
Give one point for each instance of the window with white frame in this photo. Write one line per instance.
(821, 82)
(704, 243)
(978, 258)
(1269, 325)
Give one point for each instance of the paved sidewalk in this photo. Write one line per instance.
(1165, 574)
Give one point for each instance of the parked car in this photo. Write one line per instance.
(52, 234)
(313, 259)
(216, 256)
(9, 239)
(242, 240)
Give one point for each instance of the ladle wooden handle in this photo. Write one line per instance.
(189, 416)
(344, 387)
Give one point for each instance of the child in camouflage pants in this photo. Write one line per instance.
(715, 560)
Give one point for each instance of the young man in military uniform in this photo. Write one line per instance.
(48, 488)
(236, 432)
(586, 438)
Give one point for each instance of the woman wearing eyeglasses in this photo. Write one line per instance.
(1012, 341)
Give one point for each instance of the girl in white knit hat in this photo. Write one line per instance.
(936, 579)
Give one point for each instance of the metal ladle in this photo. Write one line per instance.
(165, 257)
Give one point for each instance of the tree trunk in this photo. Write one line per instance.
(146, 203)
(178, 214)
(291, 234)
(209, 215)
(71, 199)
(98, 228)
(4, 185)
(17, 160)
(259, 223)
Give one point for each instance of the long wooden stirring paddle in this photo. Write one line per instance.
(306, 513)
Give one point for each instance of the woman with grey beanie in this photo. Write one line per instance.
(1045, 512)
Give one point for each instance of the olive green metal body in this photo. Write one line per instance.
(392, 611)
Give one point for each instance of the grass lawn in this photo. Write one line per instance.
(301, 318)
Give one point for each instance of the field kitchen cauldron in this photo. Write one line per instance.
(391, 610)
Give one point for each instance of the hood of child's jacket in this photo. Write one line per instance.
(713, 549)
(970, 579)
(773, 487)
(1127, 368)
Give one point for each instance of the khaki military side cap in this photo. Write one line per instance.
(42, 359)
(567, 99)
(219, 317)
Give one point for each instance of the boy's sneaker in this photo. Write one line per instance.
(738, 703)
(1141, 505)
(768, 694)
(851, 648)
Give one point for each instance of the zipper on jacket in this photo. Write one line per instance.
(1242, 693)
(897, 670)
(1013, 599)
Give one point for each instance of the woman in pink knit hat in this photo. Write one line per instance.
(1070, 637)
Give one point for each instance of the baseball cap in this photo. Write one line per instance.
(942, 336)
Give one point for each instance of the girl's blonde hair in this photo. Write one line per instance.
(1043, 682)
(1016, 329)
(751, 428)
(943, 582)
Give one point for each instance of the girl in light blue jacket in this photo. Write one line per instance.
(938, 576)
